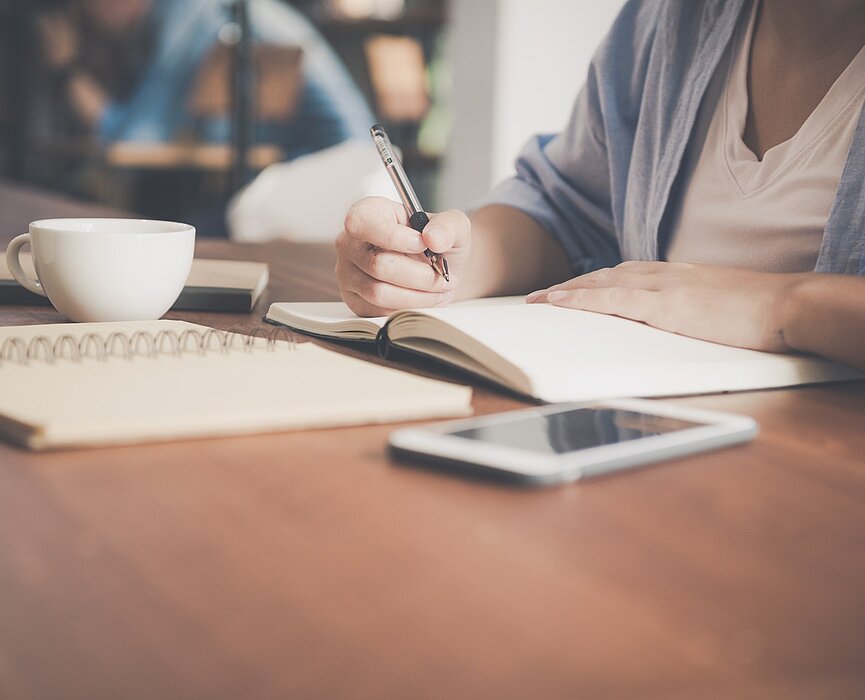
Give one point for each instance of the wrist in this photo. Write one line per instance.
(795, 306)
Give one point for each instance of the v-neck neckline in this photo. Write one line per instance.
(751, 173)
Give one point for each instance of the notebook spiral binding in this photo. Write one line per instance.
(142, 344)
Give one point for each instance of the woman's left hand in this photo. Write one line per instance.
(721, 304)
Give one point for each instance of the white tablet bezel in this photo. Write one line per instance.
(715, 430)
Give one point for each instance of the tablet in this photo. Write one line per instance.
(565, 442)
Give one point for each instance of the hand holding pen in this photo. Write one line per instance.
(417, 217)
(384, 263)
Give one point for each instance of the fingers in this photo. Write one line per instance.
(635, 274)
(636, 304)
(446, 230)
(361, 307)
(367, 296)
(410, 271)
(383, 223)
(380, 266)
(399, 269)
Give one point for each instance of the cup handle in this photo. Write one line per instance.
(14, 265)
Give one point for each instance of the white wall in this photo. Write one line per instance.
(518, 65)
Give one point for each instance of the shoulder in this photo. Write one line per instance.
(642, 25)
(650, 43)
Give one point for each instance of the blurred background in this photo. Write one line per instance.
(250, 118)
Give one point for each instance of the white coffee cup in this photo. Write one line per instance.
(106, 269)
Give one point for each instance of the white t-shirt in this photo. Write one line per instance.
(767, 214)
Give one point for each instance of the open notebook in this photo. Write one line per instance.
(82, 384)
(558, 354)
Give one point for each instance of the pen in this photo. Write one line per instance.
(417, 217)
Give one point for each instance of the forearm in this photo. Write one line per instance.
(825, 315)
(511, 253)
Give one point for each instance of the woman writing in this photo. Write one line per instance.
(709, 182)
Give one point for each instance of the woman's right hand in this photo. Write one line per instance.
(380, 265)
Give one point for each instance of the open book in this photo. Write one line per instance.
(558, 354)
(80, 384)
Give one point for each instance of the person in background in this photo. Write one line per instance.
(127, 68)
(709, 183)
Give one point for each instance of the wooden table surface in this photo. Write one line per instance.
(307, 564)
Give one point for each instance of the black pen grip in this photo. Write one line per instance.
(418, 221)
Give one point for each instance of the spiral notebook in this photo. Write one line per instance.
(88, 384)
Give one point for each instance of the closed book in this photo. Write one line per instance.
(213, 285)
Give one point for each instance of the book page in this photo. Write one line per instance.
(559, 354)
(335, 319)
(572, 355)
(325, 313)
(331, 319)
(227, 274)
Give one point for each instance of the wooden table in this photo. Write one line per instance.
(309, 565)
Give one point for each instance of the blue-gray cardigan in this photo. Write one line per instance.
(602, 187)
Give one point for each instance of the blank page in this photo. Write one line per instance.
(574, 355)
